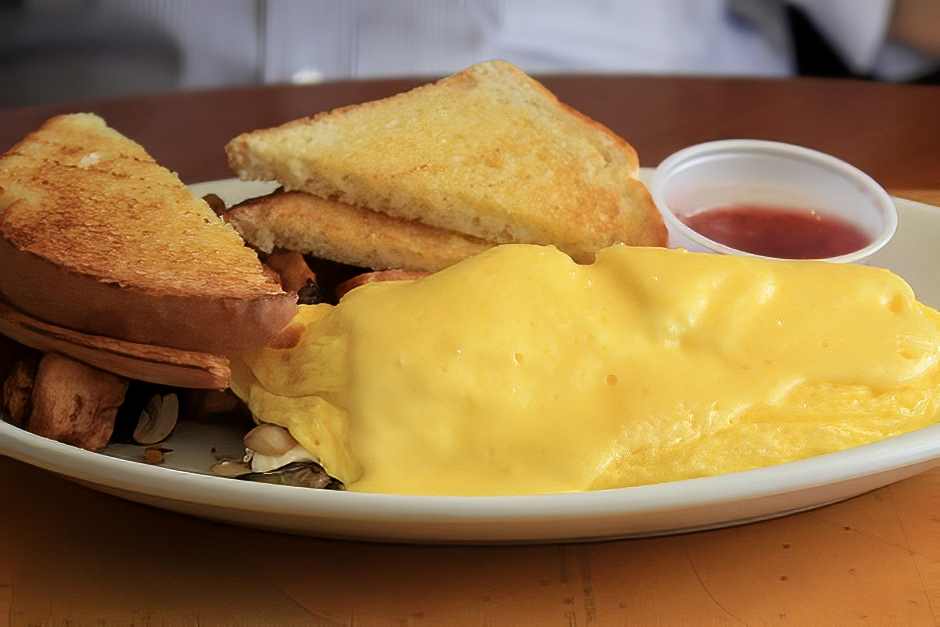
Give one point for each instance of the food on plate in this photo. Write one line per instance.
(112, 269)
(519, 331)
(518, 371)
(376, 277)
(157, 419)
(203, 404)
(17, 393)
(144, 362)
(330, 229)
(295, 276)
(424, 178)
(71, 401)
(75, 403)
(95, 236)
(272, 455)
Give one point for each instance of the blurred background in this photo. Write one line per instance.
(65, 50)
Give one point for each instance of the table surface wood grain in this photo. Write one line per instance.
(71, 556)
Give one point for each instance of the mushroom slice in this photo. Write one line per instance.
(298, 474)
(157, 420)
(230, 468)
(270, 440)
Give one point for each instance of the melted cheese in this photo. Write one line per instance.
(518, 371)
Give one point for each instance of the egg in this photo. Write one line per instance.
(519, 371)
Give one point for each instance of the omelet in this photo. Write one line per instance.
(519, 371)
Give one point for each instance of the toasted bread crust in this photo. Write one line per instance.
(488, 152)
(97, 237)
(83, 196)
(84, 303)
(333, 230)
(139, 362)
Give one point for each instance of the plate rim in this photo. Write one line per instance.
(894, 453)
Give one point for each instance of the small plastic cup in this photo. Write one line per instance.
(754, 172)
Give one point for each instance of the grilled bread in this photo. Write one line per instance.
(333, 230)
(97, 237)
(487, 152)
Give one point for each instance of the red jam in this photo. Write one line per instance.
(783, 232)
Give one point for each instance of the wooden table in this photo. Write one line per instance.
(70, 556)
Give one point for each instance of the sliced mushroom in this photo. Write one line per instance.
(298, 474)
(266, 463)
(75, 403)
(138, 395)
(303, 474)
(268, 439)
(230, 468)
(157, 420)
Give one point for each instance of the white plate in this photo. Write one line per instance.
(647, 510)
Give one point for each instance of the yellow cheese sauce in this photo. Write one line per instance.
(518, 371)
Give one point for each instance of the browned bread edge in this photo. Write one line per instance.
(649, 228)
(83, 303)
(329, 229)
(140, 362)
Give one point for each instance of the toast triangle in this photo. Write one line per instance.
(97, 237)
(488, 152)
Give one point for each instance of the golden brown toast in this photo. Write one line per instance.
(333, 230)
(488, 152)
(98, 237)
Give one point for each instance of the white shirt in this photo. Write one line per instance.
(239, 41)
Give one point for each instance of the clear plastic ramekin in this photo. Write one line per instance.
(755, 172)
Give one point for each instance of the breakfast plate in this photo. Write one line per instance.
(183, 483)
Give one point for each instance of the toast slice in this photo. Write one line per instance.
(488, 152)
(97, 237)
(333, 230)
(139, 362)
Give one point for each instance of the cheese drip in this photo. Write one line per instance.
(519, 371)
